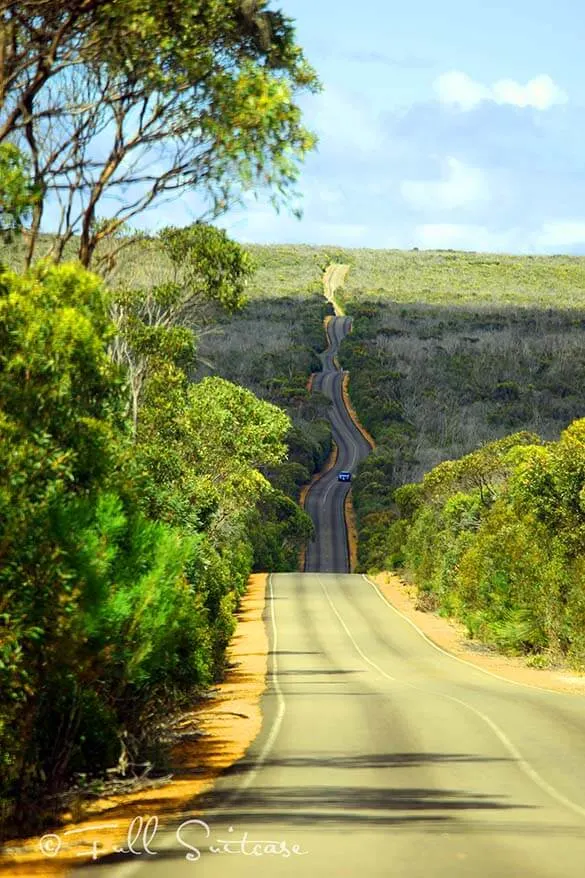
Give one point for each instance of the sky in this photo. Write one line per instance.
(458, 124)
(454, 125)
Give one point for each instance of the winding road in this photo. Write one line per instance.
(379, 754)
(325, 499)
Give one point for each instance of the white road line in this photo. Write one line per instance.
(350, 635)
(524, 766)
(281, 710)
(353, 454)
(449, 654)
(326, 494)
(169, 840)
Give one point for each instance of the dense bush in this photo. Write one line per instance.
(497, 539)
(278, 530)
(489, 525)
(271, 347)
(123, 551)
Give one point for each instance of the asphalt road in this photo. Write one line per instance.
(382, 756)
(324, 502)
(379, 754)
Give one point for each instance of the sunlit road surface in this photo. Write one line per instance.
(379, 755)
(324, 503)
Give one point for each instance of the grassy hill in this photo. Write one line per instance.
(430, 276)
(445, 277)
(449, 350)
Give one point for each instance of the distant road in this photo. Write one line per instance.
(333, 278)
(324, 502)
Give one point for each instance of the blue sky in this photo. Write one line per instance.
(459, 124)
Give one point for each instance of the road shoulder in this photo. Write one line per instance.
(229, 721)
(451, 637)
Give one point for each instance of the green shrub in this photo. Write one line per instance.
(507, 558)
(123, 556)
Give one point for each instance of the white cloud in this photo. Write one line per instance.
(561, 233)
(463, 186)
(261, 224)
(342, 120)
(540, 93)
(351, 234)
(460, 90)
(557, 236)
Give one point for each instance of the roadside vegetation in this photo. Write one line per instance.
(473, 389)
(271, 347)
(134, 487)
(123, 550)
(497, 539)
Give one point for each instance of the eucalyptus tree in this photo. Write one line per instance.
(119, 104)
(206, 271)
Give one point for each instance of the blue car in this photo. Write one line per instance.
(344, 476)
